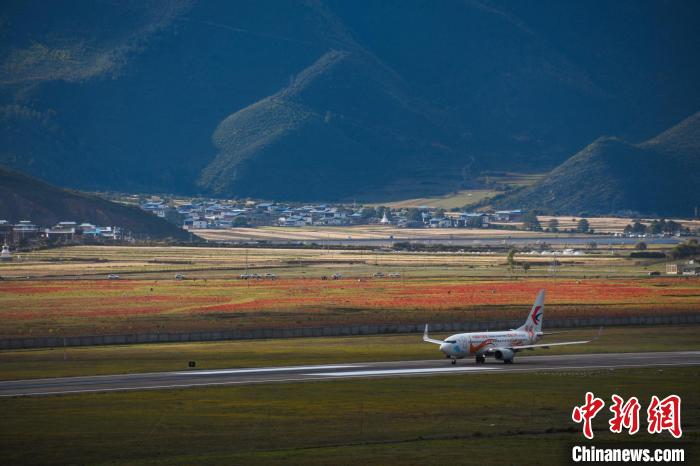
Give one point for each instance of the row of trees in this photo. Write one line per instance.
(656, 227)
(531, 222)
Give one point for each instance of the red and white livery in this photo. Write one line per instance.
(500, 345)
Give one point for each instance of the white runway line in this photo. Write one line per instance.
(427, 370)
(266, 369)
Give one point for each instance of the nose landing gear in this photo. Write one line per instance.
(454, 361)
(480, 359)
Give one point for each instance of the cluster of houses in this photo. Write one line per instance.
(228, 214)
(62, 231)
(689, 268)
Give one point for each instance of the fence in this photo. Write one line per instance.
(94, 340)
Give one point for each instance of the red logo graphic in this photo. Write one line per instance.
(587, 412)
(475, 348)
(536, 314)
(661, 415)
(625, 415)
(665, 415)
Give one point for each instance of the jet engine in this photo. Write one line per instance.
(503, 354)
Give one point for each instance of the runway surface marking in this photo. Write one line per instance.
(307, 373)
(266, 369)
(426, 370)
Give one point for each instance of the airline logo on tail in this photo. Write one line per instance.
(536, 314)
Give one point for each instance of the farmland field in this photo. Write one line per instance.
(89, 262)
(89, 307)
(459, 199)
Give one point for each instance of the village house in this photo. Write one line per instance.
(508, 215)
(689, 268)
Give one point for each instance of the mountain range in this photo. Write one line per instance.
(329, 99)
(660, 176)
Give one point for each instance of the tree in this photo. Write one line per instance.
(240, 222)
(583, 226)
(553, 224)
(414, 215)
(687, 249)
(530, 222)
(526, 266)
(474, 222)
(636, 228)
(641, 246)
(511, 260)
(368, 213)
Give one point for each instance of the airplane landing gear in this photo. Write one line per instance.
(507, 361)
(480, 359)
(454, 361)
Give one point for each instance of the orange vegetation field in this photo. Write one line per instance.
(86, 307)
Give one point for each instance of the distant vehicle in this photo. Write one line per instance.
(244, 276)
(113, 276)
(271, 276)
(336, 276)
(179, 276)
(500, 345)
(394, 275)
(378, 275)
(654, 273)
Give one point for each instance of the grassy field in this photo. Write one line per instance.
(607, 224)
(477, 419)
(359, 232)
(459, 199)
(58, 362)
(90, 307)
(164, 262)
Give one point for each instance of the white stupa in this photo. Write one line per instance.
(5, 255)
(384, 220)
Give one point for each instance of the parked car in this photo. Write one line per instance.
(179, 276)
(336, 276)
(113, 276)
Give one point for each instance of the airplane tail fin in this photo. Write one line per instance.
(535, 316)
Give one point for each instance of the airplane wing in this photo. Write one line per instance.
(430, 340)
(562, 343)
(547, 345)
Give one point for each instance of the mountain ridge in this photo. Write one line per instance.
(422, 96)
(26, 198)
(656, 177)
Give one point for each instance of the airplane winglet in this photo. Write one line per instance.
(430, 340)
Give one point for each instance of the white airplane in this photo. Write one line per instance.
(500, 345)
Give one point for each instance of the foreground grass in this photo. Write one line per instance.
(23, 364)
(475, 419)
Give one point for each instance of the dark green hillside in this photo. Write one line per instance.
(26, 198)
(660, 176)
(315, 139)
(329, 99)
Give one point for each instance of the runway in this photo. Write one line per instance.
(437, 367)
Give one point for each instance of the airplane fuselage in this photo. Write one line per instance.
(461, 345)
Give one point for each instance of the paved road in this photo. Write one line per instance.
(199, 378)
